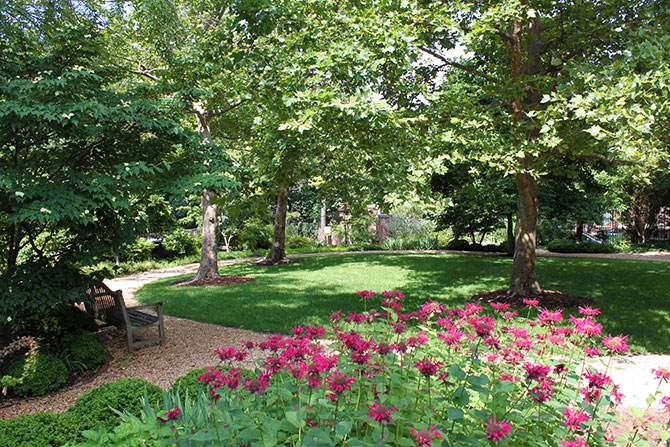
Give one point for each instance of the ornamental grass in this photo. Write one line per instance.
(470, 376)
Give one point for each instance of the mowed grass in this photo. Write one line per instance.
(634, 296)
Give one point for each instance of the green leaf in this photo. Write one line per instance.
(204, 435)
(292, 417)
(455, 414)
(343, 428)
(317, 438)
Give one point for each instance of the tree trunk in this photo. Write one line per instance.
(579, 233)
(510, 234)
(277, 253)
(321, 233)
(209, 251)
(208, 255)
(524, 277)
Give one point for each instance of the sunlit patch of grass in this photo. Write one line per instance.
(634, 295)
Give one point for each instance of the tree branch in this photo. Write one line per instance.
(146, 74)
(459, 66)
(225, 109)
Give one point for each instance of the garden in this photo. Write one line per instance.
(349, 223)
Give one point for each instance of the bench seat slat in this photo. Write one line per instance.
(141, 319)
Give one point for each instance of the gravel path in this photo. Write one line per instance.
(191, 344)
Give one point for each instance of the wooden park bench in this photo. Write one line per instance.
(108, 306)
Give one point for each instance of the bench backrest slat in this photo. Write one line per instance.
(105, 305)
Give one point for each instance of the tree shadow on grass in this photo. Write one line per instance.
(633, 295)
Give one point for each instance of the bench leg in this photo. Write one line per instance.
(161, 327)
(129, 333)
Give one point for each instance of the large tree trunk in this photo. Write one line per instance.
(524, 277)
(277, 253)
(208, 255)
(209, 251)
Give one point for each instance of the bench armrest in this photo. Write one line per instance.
(157, 305)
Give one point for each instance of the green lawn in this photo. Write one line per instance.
(633, 295)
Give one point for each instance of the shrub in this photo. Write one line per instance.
(180, 243)
(34, 374)
(393, 244)
(255, 235)
(465, 376)
(38, 288)
(53, 324)
(38, 430)
(561, 246)
(188, 383)
(458, 244)
(372, 247)
(141, 250)
(408, 224)
(94, 408)
(81, 351)
(298, 242)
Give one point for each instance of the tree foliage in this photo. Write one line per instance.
(75, 146)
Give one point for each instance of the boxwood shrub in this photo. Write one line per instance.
(94, 408)
(561, 246)
(82, 351)
(188, 383)
(33, 375)
(38, 430)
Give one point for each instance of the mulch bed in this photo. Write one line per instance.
(550, 299)
(224, 280)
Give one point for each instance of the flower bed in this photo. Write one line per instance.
(465, 377)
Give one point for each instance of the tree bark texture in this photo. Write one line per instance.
(209, 251)
(277, 253)
(524, 277)
(208, 255)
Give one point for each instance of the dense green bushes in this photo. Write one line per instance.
(256, 235)
(34, 374)
(90, 412)
(188, 384)
(561, 246)
(463, 245)
(180, 243)
(62, 346)
(412, 243)
(53, 324)
(38, 430)
(298, 242)
(94, 409)
(81, 351)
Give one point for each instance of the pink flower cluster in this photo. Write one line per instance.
(365, 346)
